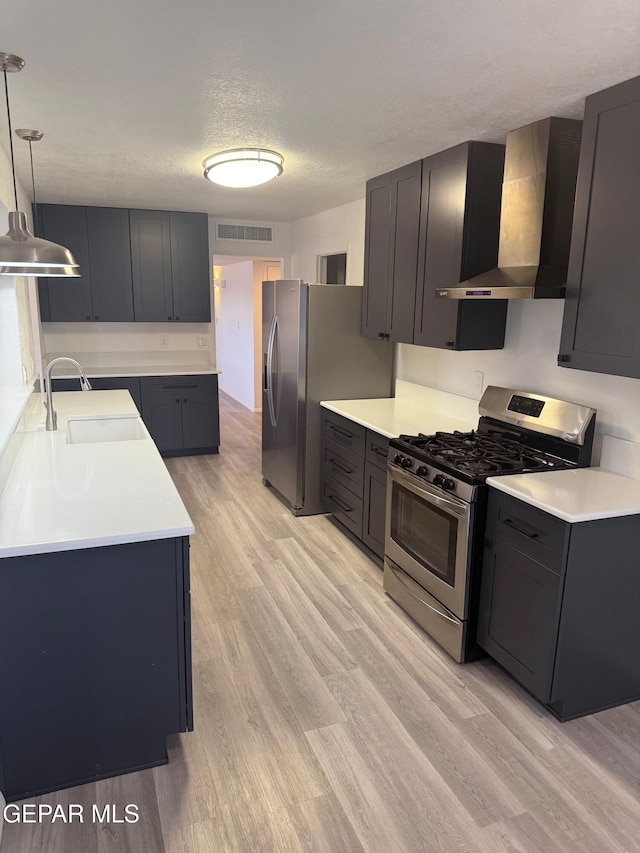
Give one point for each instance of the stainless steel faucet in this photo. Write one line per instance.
(85, 385)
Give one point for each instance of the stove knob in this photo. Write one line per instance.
(444, 482)
(398, 459)
(422, 470)
(406, 462)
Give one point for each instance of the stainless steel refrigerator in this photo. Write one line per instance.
(312, 350)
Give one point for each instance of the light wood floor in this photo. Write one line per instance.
(326, 720)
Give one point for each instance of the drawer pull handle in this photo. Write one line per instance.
(519, 529)
(340, 504)
(173, 387)
(341, 432)
(379, 451)
(340, 466)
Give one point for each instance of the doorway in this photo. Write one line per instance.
(332, 268)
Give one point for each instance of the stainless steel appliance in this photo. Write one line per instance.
(436, 501)
(312, 350)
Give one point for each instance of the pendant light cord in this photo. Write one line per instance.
(13, 164)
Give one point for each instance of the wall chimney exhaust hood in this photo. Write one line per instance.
(538, 190)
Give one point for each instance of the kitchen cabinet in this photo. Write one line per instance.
(601, 326)
(99, 240)
(391, 254)
(181, 413)
(97, 665)
(137, 265)
(459, 230)
(354, 464)
(558, 605)
(65, 299)
(429, 225)
(170, 263)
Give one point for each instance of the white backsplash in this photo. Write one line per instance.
(528, 362)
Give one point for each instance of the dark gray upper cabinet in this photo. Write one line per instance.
(391, 254)
(601, 329)
(459, 230)
(190, 267)
(151, 265)
(110, 264)
(66, 299)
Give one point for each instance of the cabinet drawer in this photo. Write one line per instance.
(160, 386)
(344, 466)
(344, 432)
(377, 449)
(343, 504)
(527, 529)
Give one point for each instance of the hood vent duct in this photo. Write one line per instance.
(538, 192)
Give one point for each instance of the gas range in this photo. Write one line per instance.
(514, 436)
(436, 502)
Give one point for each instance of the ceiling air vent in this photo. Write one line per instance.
(254, 233)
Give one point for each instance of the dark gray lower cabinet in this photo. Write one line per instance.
(558, 605)
(95, 663)
(181, 413)
(354, 461)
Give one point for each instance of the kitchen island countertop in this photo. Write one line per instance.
(60, 496)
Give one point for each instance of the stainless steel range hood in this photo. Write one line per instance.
(538, 191)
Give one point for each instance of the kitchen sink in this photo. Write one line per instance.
(88, 430)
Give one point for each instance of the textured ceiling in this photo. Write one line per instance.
(133, 94)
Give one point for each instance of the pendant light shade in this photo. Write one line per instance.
(20, 252)
(243, 167)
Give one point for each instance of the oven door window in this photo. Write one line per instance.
(426, 532)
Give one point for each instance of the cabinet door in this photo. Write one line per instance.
(200, 426)
(405, 230)
(519, 613)
(163, 419)
(110, 252)
(376, 257)
(374, 509)
(460, 222)
(151, 265)
(601, 329)
(69, 298)
(190, 267)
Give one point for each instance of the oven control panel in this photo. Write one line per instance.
(526, 406)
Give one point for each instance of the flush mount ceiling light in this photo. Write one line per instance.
(243, 167)
(20, 252)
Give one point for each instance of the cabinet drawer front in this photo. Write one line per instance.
(377, 449)
(343, 505)
(160, 386)
(533, 532)
(344, 466)
(344, 432)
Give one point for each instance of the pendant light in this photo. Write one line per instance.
(243, 167)
(20, 252)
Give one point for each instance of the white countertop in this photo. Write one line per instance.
(582, 494)
(66, 371)
(61, 496)
(417, 410)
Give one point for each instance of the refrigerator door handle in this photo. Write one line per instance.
(269, 384)
(265, 381)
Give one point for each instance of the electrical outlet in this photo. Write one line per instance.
(478, 381)
(164, 341)
(203, 343)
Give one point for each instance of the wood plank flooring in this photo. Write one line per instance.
(326, 720)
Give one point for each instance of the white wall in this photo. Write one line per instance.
(235, 350)
(340, 229)
(280, 248)
(528, 362)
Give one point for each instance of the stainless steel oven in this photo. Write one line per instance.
(427, 556)
(436, 502)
